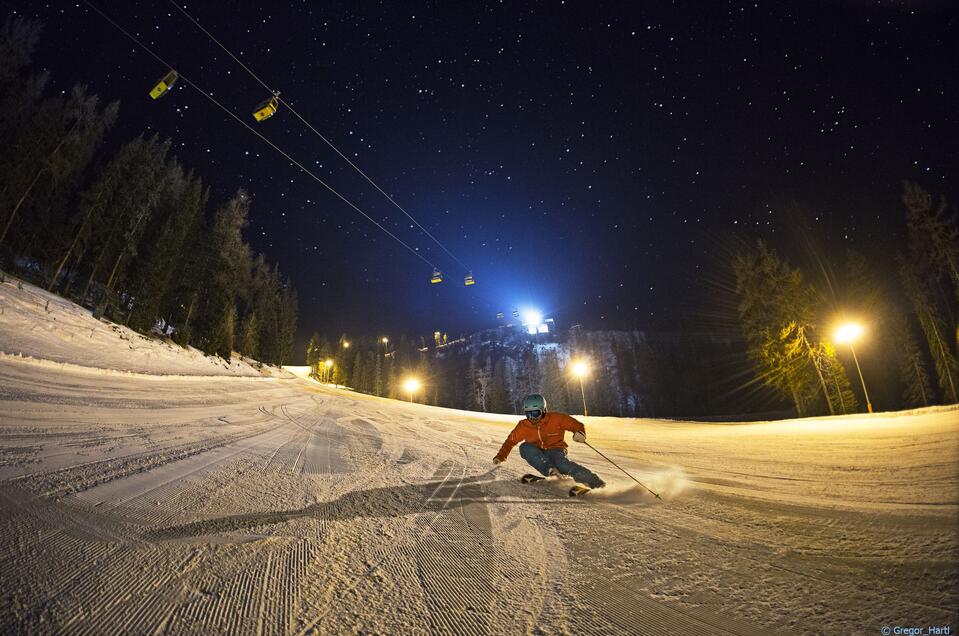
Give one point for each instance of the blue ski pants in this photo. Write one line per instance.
(556, 458)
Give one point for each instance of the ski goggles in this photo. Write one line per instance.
(534, 415)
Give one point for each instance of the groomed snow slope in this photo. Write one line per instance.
(178, 501)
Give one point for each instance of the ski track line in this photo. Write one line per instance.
(72, 556)
(297, 562)
(80, 477)
(704, 540)
(171, 483)
(624, 602)
(389, 552)
(109, 599)
(300, 454)
(456, 563)
(459, 569)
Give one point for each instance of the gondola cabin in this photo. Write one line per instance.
(437, 277)
(469, 280)
(266, 109)
(164, 85)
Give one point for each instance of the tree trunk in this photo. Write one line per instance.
(29, 189)
(109, 289)
(822, 380)
(945, 367)
(23, 198)
(86, 288)
(922, 388)
(842, 402)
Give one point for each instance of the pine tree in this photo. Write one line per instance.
(181, 206)
(263, 297)
(554, 383)
(181, 306)
(935, 329)
(123, 198)
(313, 355)
(226, 334)
(231, 260)
(379, 371)
(64, 135)
(359, 382)
(776, 310)
(47, 142)
(249, 336)
(499, 398)
(286, 319)
(933, 232)
(918, 389)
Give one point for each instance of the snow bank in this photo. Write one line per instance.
(40, 325)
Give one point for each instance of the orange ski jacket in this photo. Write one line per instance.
(549, 434)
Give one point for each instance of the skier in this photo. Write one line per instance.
(541, 434)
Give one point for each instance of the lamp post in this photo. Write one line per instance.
(412, 385)
(848, 333)
(386, 345)
(329, 370)
(580, 369)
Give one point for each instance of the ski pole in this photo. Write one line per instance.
(622, 469)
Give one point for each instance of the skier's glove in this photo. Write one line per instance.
(579, 437)
(497, 460)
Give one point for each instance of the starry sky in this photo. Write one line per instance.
(582, 158)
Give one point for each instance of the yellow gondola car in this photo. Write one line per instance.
(437, 277)
(266, 109)
(164, 85)
(469, 280)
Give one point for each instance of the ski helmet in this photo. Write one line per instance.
(534, 402)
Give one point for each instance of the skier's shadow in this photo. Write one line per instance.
(392, 501)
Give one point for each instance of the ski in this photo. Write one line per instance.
(530, 478)
(578, 490)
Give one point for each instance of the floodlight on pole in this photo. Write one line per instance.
(532, 317)
(847, 334)
(580, 369)
(412, 385)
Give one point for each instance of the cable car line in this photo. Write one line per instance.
(187, 81)
(469, 276)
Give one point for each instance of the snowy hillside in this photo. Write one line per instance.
(188, 497)
(41, 325)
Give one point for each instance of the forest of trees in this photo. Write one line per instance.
(788, 319)
(633, 374)
(780, 358)
(129, 234)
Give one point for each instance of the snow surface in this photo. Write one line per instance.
(148, 489)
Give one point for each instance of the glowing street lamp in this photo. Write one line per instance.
(346, 344)
(849, 333)
(412, 385)
(329, 369)
(581, 369)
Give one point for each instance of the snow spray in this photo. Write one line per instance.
(669, 483)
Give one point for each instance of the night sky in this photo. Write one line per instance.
(583, 158)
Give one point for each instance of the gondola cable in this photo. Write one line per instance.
(469, 278)
(293, 161)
